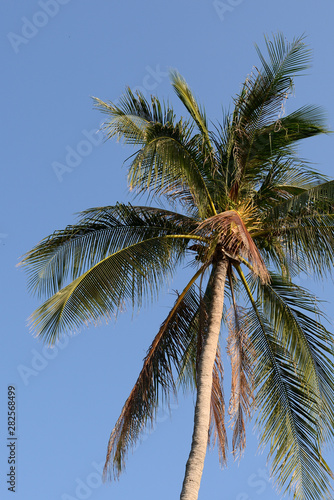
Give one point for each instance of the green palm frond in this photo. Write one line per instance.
(304, 226)
(261, 148)
(303, 123)
(168, 162)
(264, 93)
(157, 378)
(184, 93)
(288, 416)
(318, 199)
(258, 108)
(171, 163)
(285, 59)
(310, 345)
(131, 117)
(282, 179)
(100, 231)
(274, 256)
(99, 293)
(310, 243)
(289, 407)
(225, 167)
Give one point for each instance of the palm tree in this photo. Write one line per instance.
(250, 216)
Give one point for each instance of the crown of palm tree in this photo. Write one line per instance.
(244, 199)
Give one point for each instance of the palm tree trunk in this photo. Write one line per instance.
(195, 463)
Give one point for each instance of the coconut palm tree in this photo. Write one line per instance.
(249, 216)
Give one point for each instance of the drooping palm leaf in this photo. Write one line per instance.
(99, 293)
(156, 380)
(100, 231)
(288, 411)
(288, 417)
(288, 308)
(217, 431)
(241, 352)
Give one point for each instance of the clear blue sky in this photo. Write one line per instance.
(55, 55)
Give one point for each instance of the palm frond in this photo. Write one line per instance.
(184, 93)
(130, 119)
(288, 308)
(274, 255)
(241, 352)
(288, 416)
(303, 123)
(100, 232)
(258, 110)
(263, 95)
(288, 412)
(217, 431)
(317, 199)
(156, 380)
(263, 146)
(171, 163)
(127, 276)
(282, 179)
(301, 219)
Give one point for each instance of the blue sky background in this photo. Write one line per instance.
(55, 55)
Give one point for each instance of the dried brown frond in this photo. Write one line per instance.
(217, 432)
(241, 352)
(230, 230)
(155, 381)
